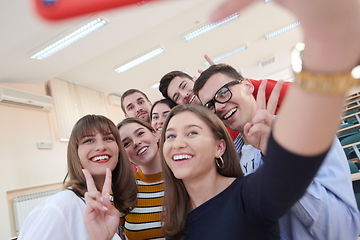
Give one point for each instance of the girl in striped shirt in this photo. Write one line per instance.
(141, 146)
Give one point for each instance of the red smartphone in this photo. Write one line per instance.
(54, 10)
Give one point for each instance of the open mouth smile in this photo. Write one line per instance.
(229, 113)
(181, 157)
(100, 159)
(191, 99)
(142, 150)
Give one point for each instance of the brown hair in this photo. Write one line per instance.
(176, 199)
(213, 69)
(166, 80)
(135, 120)
(166, 101)
(123, 180)
(129, 92)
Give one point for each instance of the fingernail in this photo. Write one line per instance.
(105, 208)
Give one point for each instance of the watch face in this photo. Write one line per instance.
(61, 9)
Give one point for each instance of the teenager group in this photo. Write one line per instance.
(190, 182)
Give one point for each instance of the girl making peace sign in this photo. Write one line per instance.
(94, 145)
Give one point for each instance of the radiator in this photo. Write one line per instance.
(23, 205)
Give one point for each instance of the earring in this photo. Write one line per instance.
(221, 164)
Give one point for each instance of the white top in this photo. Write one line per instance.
(60, 217)
(250, 159)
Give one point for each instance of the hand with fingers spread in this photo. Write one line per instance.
(258, 131)
(101, 217)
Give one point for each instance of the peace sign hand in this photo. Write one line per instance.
(258, 131)
(101, 217)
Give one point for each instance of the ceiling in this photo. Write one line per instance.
(90, 62)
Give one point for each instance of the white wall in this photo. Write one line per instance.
(23, 165)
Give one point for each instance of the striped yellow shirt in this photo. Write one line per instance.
(144, 221)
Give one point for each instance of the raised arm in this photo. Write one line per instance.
(332, 39)
(331, 48)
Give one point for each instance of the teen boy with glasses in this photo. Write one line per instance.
(328, 208)
(222, 95)
(178, 87)
(250, 159)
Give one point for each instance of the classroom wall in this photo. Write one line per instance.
(23, 165)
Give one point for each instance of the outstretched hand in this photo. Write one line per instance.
(258, 131)
(101, 217)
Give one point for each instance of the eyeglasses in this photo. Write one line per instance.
(222, 95)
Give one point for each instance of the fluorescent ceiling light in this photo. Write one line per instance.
(282, 30)
(140, 59)
(69, 39)
(217, 59)
(209, 27)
